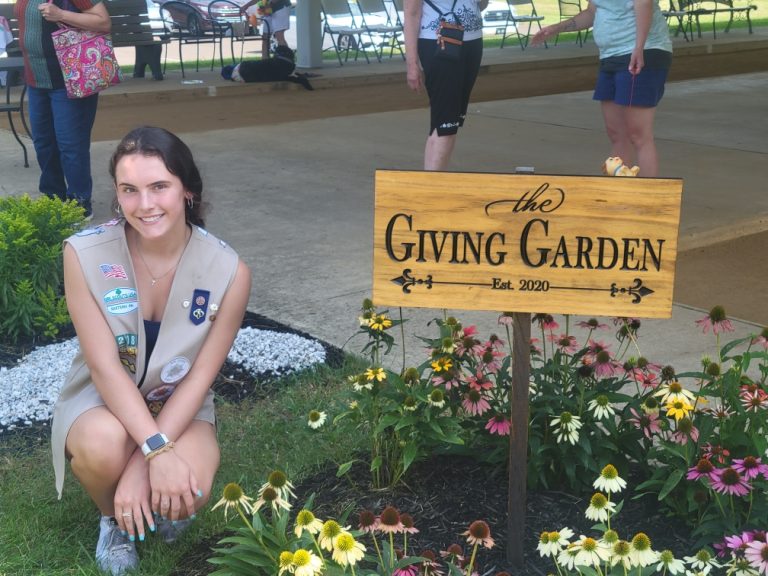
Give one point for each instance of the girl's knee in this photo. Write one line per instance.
(103, 449)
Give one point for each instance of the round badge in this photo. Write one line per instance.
(175, 370)
(186, 304)
(199, 300)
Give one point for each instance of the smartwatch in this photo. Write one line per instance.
(154, 442)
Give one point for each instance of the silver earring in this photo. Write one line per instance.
(118, 210)
(191, 202)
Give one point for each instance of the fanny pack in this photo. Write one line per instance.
(450, 35)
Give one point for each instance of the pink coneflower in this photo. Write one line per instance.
(719, 411)
(757, 555)
(685, 431)
(716, 320)
(474, 403)
(479, 381)
(737, 543)
(408, 524)
(750, 467)
(703, 469)
(467, 345)
(762, 339)
(495, 342)
(753, 401)
(715, 452)
(647, 422)
(592, 324)
(454, 553)
(545, 322)
(389, 521)
(565, 343)
(450, 379)
(506, 319)
(729, 481)
(604, 365)
(430, 564)
(490, 361)
(498, 425)
(479, 533)
(594, 347)
(367, 522)
(410, 570)
(535, 350)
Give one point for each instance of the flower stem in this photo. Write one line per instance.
(378, 550)
(402, 335)
(472, 560)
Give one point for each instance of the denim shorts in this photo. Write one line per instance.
(644, 89)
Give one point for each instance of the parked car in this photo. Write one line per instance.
(193, 16)
(495, 18)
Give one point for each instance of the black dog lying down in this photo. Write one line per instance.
(279, 68)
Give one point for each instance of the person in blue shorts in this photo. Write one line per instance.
(635, 56)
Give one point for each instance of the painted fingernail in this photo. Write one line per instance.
(194, 516)
(141, 537)
(199, 493)
(123, 533)
(132, 538)
(151, 527)
(173, 522)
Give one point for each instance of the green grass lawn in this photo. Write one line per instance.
(40, 535)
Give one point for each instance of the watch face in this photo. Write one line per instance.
(155, 442)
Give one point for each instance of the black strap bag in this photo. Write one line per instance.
(450, 35)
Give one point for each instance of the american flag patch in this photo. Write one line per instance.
(113, 271)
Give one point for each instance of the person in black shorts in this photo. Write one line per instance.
(448, 83)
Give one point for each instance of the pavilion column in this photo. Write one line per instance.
(309, 37)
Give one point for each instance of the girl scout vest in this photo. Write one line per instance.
(204, 273)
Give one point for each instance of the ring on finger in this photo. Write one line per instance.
(127, 515)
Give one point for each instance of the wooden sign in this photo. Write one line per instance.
(602, 246)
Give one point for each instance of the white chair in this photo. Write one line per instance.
(382, 26)
(521, 12)
(345, 30)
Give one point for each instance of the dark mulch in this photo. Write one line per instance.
(446, 493)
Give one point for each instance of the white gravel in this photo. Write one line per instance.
(29, 390)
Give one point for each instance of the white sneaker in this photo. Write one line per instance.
(115, 554)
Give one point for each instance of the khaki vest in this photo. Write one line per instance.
(203, 276)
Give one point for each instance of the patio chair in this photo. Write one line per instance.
(228, 20)
(521, 13)
(185, 25)
(684, 20)
(569, 9)
(377, 19)
(345, 30)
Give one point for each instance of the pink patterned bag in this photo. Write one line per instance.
(87, 61)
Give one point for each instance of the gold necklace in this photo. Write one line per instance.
(164, 274)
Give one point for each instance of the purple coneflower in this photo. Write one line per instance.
(647, 422)
(565, 343)
(474, 403)
(479, 534)
(592, 324)
(757, 555)
(479, 381)
(703, 469)
(750, 467)
(408, 524)
(498, 425)
(367, 521)
(389, 521)
(545, 322)
(716, 320)
(729, 481)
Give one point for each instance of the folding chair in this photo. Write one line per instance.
(227, 19)
(521, 12)
(345, 31)
(377, 20)
(183, 24)
(569, 9)
(683, 17)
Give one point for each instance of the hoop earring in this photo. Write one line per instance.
(191, 202)
(117, 210)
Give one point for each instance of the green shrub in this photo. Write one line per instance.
(32, 301)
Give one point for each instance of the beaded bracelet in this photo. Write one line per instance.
(165, 448)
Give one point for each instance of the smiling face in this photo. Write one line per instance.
(151, 198)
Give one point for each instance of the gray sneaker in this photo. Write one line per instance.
(115, 554)
(171, 531)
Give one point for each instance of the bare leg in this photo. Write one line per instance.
(639, 122)
(616, 128)
(437, 153)
(100, 448)
(280, 37)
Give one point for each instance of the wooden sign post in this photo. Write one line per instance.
(599, 246)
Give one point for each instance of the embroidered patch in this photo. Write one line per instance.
(175, 370)
(113, 271)
(157, 397)
(127, 345)
(121, 301)
(200, 306)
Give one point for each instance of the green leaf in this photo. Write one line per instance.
(672, 481)
(344, 468)
(409, 454)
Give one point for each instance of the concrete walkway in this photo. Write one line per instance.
(296, 199)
